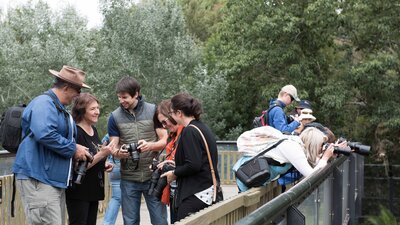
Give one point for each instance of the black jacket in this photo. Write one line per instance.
(192, 166)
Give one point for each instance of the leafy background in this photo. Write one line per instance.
(234, 55)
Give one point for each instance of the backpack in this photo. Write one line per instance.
(10, 128)
(262, 120)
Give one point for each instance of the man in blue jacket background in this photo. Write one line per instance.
(43, 163)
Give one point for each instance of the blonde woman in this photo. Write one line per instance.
(306, 153)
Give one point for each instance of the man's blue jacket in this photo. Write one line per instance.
(277, 118)
(46, 153)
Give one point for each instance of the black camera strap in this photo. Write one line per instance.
(133, 161)
(265, 151)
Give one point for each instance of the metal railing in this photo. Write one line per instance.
(225, 163)
(331, 195)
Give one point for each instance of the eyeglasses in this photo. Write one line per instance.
(164, 122)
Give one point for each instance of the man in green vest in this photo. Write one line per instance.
(131, 125)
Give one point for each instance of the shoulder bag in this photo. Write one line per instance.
(255, 172)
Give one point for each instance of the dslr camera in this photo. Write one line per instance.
(352, 147)
(158, 184)
(80, 170)
(133, 151)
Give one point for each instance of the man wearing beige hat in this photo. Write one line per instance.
(277, 117)
(43, 163)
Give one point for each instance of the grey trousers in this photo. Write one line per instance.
(43, 204)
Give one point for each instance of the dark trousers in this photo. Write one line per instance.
(189, 206)
(82, 212)
(172, 211)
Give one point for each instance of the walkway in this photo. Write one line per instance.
(229, 191)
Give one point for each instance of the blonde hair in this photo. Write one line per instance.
(313, 140)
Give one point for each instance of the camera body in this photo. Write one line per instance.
(158, 184)
(80, 170)
(133, 151)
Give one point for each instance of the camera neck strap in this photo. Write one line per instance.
(210, 161)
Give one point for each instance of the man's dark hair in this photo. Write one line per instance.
(128, 85)
(59, 83)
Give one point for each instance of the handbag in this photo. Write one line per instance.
(255, 172)
(218, 193)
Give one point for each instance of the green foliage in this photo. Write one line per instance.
(202, 17)
(149, 42)
(34, 40)
(384, 218)
(263, 45)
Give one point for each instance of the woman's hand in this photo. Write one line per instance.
(170, 176)
(161, 164)
(328, 153)
(108, 167)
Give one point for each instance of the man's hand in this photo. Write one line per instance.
(82, 153)
(144, 146)
(121, 153)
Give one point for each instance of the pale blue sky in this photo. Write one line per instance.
(88, 8)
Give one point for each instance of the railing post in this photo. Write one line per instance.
(360, 185)
(352, 189)
(1, 191)
(337, 195)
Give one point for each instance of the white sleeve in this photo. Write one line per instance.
(292, 152)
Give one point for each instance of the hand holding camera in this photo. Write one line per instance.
(158, 182)
(145, 146)
(80, 169)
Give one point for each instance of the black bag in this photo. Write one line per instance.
(255, 172)
(10, 128)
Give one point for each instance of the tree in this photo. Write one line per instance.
(34, 40)
(203, 17)
(263, 45)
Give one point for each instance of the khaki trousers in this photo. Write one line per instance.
(43, 204)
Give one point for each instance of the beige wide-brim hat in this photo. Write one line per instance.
(71, 75)
(307, 114)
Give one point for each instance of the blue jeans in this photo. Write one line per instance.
(131, 194)
(113, 205)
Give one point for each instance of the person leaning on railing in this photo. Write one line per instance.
(306, 152)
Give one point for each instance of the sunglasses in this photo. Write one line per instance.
(164, 122)
(291, 98)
